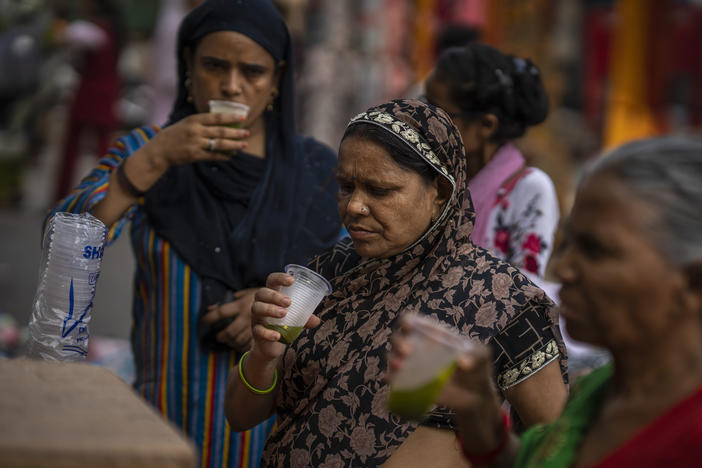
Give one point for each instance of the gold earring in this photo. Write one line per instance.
(188, 84)
(274, 94)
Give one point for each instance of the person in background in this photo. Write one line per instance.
(213, 209)
(455, 35)
(164, 83)
(631, 269)
(494, 98)
(97, 40)
(450, 35)
(404, 201)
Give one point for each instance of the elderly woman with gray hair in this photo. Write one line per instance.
(631, 269)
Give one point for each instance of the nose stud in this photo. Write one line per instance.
(364, 210)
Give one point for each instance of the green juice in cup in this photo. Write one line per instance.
(414, 403)
(306, 292)
(288, 333)
(430, 364)
(230, 107)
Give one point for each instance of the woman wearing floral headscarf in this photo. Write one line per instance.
(402, 197)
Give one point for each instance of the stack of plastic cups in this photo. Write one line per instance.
(72, 251)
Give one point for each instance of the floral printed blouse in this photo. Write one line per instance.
(523, 220)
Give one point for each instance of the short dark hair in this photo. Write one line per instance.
(400, 152)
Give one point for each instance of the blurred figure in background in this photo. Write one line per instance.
(97, 40)
(493, 98)
(24, 51)
(455, 35)
(164, 83)
(451, 35)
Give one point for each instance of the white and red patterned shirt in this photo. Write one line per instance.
(522, 221)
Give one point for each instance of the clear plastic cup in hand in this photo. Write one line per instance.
(229, 107)
(430, 364)
(306, 292)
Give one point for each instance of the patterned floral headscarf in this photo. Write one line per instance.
(331, 401)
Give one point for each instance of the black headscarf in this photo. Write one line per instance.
(234, 222)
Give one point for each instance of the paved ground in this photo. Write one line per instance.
(20, 230)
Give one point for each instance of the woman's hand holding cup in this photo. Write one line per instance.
(270, 303)
(422, 360)
(199, 137)
(471, 385)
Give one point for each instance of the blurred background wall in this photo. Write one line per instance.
(614, 69)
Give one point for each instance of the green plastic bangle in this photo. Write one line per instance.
(251, 387)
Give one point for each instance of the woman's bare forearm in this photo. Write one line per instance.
(243, 407)
(538, 399)
(141, 171)
(541, 397)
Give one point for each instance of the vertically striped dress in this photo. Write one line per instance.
(183, 382)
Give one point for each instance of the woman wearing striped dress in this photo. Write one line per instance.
(213, 209)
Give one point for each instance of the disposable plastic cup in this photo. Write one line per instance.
(55, 289)
(306, 292)
(80, 276)
(56, 337)
(77, 222)
(68, 260)
(229, 107)
(56, 300)
(71, 269)
(434, 349)
(71, 263)
(58, 314)
(64, 231)
(69, 232)
(75, 245)
(82, 281)
(64, 254)
(73, 236)
(62, 299)
(75, 249)
(72, 255)
(63, 289)
(72, 258)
